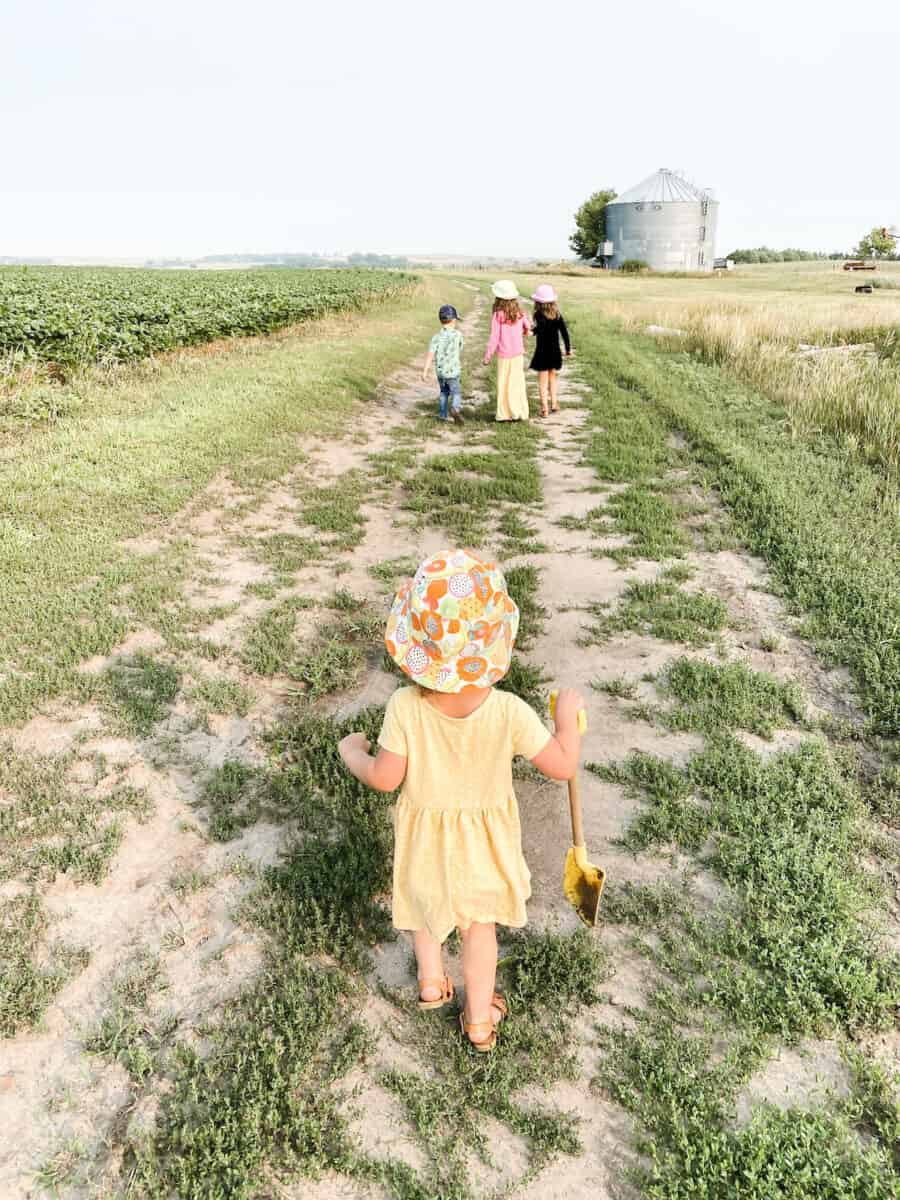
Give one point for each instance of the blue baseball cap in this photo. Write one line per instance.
(447, 313)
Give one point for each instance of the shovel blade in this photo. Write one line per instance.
(583, 885)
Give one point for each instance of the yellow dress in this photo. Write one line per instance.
(512, 401)
(457, 841)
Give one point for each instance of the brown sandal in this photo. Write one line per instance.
(470, 1027)
(446, 986)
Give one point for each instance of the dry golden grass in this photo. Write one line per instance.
(753, 321)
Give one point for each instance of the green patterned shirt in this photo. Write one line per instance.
(446, 347)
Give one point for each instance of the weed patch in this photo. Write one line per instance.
(262, 1099)
(651, 520)
(620, 687)
(140, 690)
(684, 1101)
(31, 971)
(287, 553)
(526, 681)
(222, 695)
(523, 584)
(392, 571)
(233, 796)
(663, 610)
(50, 824)
(711, 697)
(459, 492)
(793, 949)
(269, 642)
(335, 509)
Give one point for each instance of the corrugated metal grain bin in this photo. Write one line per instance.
(665, 221)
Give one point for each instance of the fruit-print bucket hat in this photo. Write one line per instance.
(453, 625)
(505, 289)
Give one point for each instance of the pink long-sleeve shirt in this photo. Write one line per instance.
(507, 339)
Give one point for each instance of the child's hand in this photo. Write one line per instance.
(569, 703)
(353, 744)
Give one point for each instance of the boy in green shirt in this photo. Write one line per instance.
(444, 352)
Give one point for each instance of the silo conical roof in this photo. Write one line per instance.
(662, 186)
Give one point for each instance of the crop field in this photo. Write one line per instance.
(201, 995)
(75, 316)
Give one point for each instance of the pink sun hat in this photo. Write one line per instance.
(545, 294)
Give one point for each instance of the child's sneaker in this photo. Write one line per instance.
(457, 416)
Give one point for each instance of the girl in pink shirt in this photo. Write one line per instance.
(509, 327)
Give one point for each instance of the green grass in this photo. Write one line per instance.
(826, 523)
(393, 571)
(269, 641)
(661, 609)
(461, 492)
(134, 452)
(793, 948)
(219, 1130)
(650, 519)
(50, 824)
(335, 508)
(710, 697)
(126, 1034)
(140, 690)
(337, 655)
(221, 695)
(233, 795)
(285, 552)
(524, 583)
(683, 1098)
(518, 535)
(620, 687)
(32, 971)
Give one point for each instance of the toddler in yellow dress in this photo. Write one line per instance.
(450, 741)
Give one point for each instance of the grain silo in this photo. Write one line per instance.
(666, 221)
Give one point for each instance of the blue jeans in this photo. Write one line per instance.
(451, 390)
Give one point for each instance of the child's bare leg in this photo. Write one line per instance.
(542, 389)
(553, 383)
(430, 962)
(479, 960)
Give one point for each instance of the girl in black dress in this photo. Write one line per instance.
(549, 326)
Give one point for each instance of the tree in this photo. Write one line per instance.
(877, 243)
(590, 225)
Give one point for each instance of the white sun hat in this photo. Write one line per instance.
(505, 289)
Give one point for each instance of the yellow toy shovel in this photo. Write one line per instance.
(582, 881)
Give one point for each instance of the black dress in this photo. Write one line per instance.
(547, 354)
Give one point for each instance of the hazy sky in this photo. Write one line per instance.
(196, 127)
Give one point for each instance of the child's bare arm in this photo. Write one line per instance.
(428, 365)
(385, 772)
(559, 758)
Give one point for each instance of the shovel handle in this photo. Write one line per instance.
(575, 811)
(574, 796)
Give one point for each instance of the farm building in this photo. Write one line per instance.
(666, 221)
